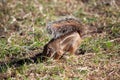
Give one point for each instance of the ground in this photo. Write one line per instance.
(23, 35)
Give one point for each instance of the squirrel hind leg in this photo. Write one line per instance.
(73, 49)
(58, 54)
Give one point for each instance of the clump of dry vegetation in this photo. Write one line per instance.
(23, 34)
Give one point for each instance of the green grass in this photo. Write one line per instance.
(25, 34)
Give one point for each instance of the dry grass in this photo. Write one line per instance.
(23, 34)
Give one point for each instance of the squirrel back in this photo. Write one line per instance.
(66, 25)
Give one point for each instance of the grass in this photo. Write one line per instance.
(23, 34)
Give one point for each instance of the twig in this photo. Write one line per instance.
(116, 39)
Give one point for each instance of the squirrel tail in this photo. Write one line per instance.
(66, 25)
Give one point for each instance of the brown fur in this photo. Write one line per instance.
(66, 25)
(67, 35)
(57, 47)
